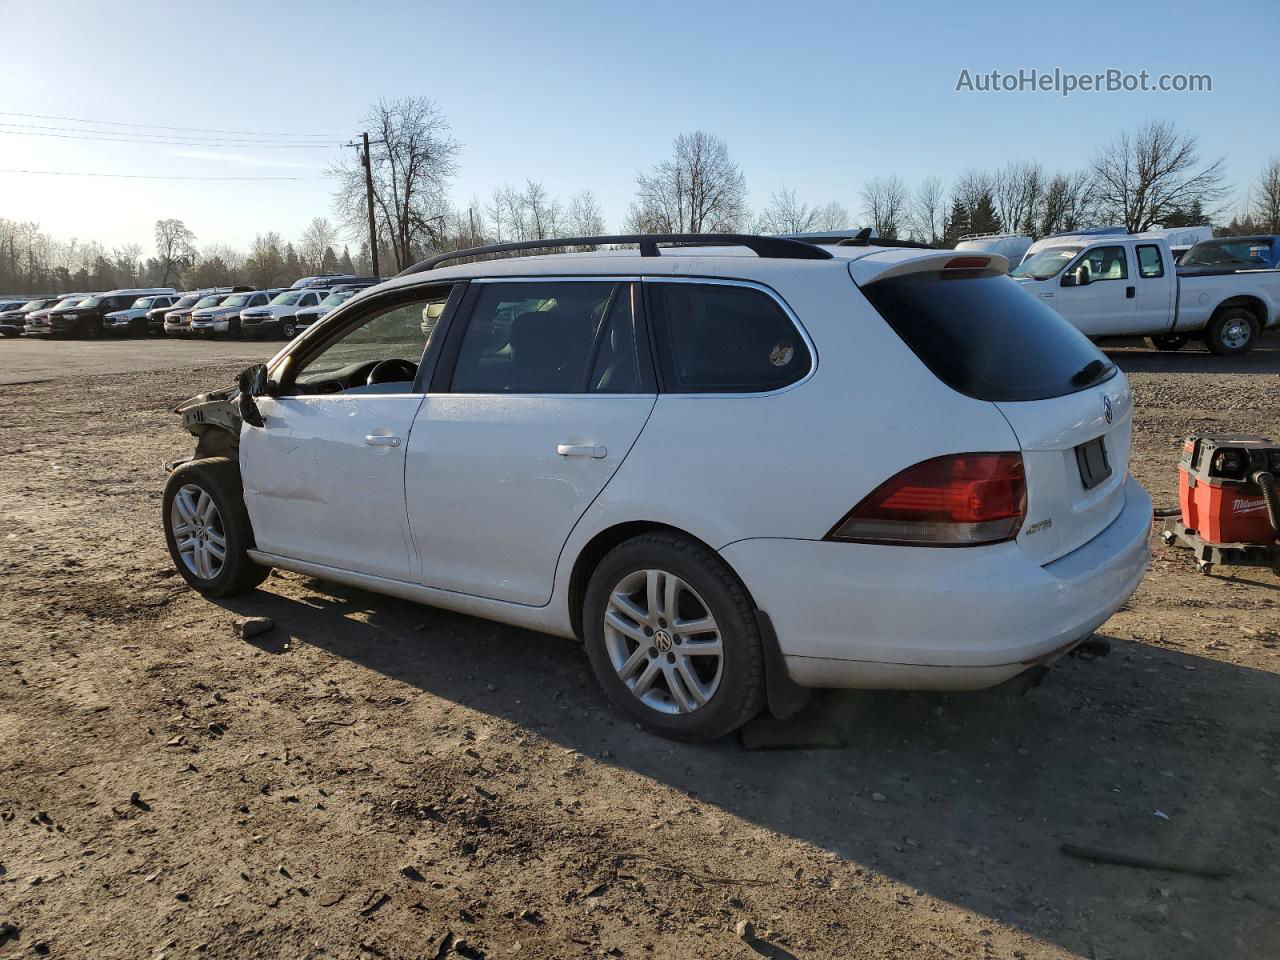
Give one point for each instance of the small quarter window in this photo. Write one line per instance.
(724, 338)
(1149, 263)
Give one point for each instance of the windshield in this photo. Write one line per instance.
(286, 299)
(239, 300)
(1046, 263)
(69, 302)
(91, 302)
(333, 299)
(35, 305)
(1230, 251)
(208, 302)
(142, 303)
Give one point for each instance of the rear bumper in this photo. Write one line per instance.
(914, 618)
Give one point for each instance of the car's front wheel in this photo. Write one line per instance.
(673, 639)
(288, 330)
(207, 527)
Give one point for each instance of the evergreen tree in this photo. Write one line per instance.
(958, 224)
(293, 268)
(329, 261)
(344, 263)
(984, 218)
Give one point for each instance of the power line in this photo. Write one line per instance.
(158, 126)
(239, 144)
(142, 137)
(145, 176)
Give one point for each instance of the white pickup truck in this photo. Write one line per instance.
(1125, 286)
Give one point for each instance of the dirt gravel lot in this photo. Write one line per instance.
(378, 779)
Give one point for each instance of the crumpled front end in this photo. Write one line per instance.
(214, 420)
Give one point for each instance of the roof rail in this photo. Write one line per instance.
(864, 239)
(770, 247)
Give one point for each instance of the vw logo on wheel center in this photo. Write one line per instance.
(662, 640)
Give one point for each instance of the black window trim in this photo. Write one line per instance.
(442, 377)
(730, 282)
(1138, 258)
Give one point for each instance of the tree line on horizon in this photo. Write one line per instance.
(1150, 176)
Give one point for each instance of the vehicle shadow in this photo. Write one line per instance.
(964, 797)
(1133, 356)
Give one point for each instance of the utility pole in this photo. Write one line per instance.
(363, 147)
(368, 194)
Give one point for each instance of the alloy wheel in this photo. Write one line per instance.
(198, 532)
(663, 641)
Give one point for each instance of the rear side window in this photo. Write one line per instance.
(1149, 262)
(723, 338)
(548, 337)
(986, 337)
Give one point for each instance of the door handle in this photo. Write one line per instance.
(1130, 292)
(378, 440)
(581, 450)
(1046, 296)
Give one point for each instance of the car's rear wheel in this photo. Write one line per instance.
(672, 637)
(1231, 332)
(1167, 341)
(207, 527)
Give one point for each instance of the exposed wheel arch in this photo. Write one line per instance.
(594, 550)
(1245, 302)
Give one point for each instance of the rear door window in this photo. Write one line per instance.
(1150, 264)
(547, 337)
(723, 338)
(987, 337)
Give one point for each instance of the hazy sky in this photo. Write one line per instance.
(816, 96)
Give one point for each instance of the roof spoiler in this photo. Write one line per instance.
(877, 267)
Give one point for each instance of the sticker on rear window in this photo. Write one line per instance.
(781, 354)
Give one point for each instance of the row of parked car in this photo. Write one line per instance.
(280, 312)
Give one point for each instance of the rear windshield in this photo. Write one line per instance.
(988, 338)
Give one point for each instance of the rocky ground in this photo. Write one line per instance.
(378, 779)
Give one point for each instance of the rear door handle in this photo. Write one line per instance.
(1130, 292)
(379, 440)
(581, 450)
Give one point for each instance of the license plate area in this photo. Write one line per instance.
(1091, 457)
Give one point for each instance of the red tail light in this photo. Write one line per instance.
(963, 499)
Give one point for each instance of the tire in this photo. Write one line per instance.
(1231, 332)
(288, 331)
(218, 479)
(1167, 341)
(729, 685)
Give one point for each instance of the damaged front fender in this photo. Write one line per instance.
(214, 420)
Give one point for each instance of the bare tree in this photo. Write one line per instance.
(884, 202)
(320, 235)
(174, 248)
(1068, 203)
(1266, 205)
(128, 263)
(413, 158)
(787, 214)
(700, 189)
(585, 218)
(832, 216)
(1017, 191)
(927, 216)
(1146, 175)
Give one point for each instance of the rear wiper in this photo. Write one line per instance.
(1091, 372)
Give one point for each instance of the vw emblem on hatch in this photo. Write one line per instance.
(1106, 409)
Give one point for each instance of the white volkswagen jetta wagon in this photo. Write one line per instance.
(732, 472)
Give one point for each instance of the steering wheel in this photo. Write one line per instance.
(394, 370)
